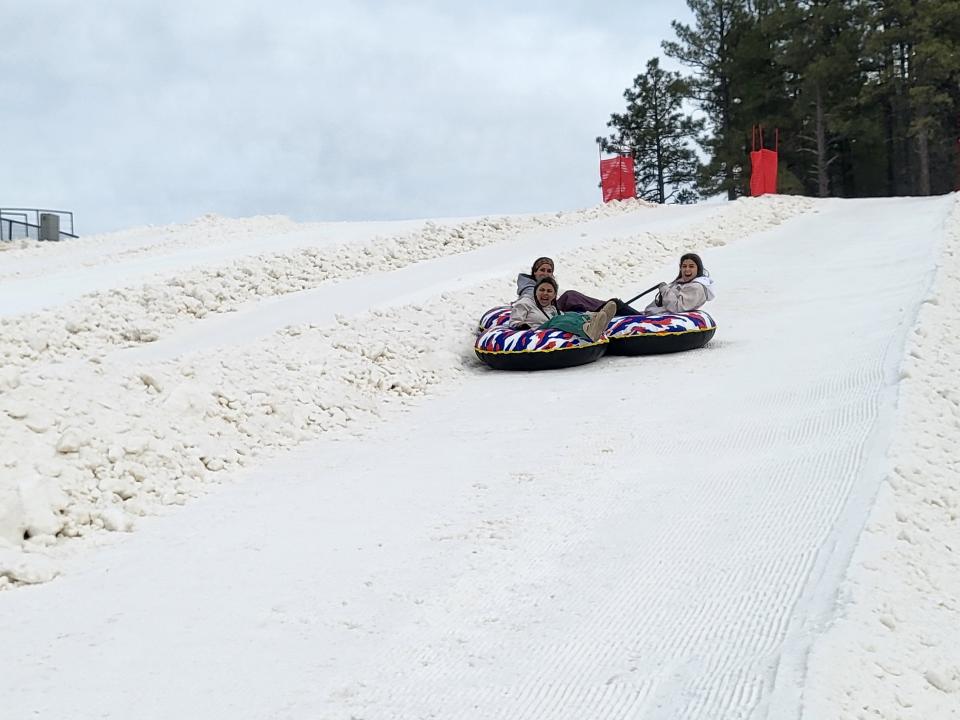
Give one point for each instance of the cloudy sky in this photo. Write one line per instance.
(150, 112)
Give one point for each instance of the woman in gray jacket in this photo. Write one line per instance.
(690, 290)
(571, 300)
(542, 267)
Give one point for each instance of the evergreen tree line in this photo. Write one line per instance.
(866, 94)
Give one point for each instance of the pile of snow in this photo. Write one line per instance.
(145, 241)
(899, 607)
(92, 441)
(233, 236)
(130, 315)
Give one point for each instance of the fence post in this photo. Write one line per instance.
(49, 226)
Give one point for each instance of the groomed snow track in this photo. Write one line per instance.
(650, 538)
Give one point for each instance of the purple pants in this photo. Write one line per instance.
(573, 301)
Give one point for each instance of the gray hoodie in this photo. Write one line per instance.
(525, 285)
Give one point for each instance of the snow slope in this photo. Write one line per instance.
(643, 537)
(95, 436)
(898, 617)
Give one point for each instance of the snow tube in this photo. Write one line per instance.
(653, 334)
(494, 317)
(504, 348)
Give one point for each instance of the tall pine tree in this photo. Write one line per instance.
(707, 49)
(659, 134)
(820, 50)
(912, 64)
(935, 71)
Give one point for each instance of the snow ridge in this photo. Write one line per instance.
(904, 578)
(124, 316)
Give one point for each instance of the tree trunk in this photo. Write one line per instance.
(661, 185)
(890, 141)
(658, 139)
(906, 179)
(923, 150)
(725, 99)
(823, 180)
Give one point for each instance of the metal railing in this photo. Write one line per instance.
(10, 228)
(16, 229)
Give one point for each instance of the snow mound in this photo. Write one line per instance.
(28, 258)
(126, 315)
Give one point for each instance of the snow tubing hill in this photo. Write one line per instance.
(654, 334)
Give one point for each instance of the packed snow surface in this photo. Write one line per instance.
(376, 526)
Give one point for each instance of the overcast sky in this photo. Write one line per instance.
(137, 113)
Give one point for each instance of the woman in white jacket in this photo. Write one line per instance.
(691, 289)
(540, 311)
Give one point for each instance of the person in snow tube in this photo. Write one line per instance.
(542, 267)
(570, 300)
(692, 288)
(541, 312)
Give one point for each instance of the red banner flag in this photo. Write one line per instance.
(616, 178)
(763, 166)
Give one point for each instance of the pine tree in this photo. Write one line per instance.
(707, 49)
(820, 51)
(759, 90)
(659, 134)
(935, 70)
(913, 69)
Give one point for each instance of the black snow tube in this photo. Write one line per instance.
(654, 334)
(504, 348)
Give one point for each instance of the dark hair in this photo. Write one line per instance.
(701, 270)
(545, 281)
(538, 262)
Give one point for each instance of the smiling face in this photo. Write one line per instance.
(688, 270)
(545, 294)
(543, 270)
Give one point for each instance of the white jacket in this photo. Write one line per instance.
(525, 311)
(683, 296)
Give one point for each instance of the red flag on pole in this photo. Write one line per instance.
(763, 165)
(616, 178)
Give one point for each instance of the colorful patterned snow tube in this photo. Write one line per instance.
(504, 348)
(653, 334)
(494, 317)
